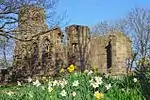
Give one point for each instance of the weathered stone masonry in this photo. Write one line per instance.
(78, 45)
(45, 54)
(39, 55)
(110, 52)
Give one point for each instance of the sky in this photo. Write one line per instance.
(90, 12)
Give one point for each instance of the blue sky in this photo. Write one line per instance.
(89, 12)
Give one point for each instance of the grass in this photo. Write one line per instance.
(121, 89)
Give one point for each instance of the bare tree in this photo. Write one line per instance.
(104, 27)
(9, 13)
(3, 59)
(100, 28)
(9, 10)
(139, 24)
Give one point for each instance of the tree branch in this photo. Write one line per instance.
(7, 35)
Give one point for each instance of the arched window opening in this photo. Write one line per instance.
(34, 57)
(46, 53)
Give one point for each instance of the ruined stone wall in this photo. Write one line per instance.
(98, 53)
(123, 52)
(51, 50)
(45, 54)
(78, 45)
(40, 52)
(109, 53)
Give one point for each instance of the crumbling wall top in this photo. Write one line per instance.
(31, 13)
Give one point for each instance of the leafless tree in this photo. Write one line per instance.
(3, 60)
(139, 24)
(100, 28)
(104, 27)
(9, 12)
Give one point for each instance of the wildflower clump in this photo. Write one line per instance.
(76, 86)
(96, 81)
(37, 83)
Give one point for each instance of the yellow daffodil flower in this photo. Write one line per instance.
(62, 70)
(71, 68)
(99, 96)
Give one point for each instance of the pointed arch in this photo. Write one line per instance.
(34, 55)
(46, 52)
(46, 45)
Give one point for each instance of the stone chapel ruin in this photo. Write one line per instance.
(45, 54)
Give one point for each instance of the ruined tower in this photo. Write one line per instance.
(41, 47)
(110, 52)
(78, 45)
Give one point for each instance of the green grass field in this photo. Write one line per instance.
(76, 86)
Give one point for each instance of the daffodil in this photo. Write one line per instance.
(62, 83)
(90, 72)
(19, 83)
(10, 93)
(106, 75)
(135, 80)
(44, 78)
(37, 83)
(62, 70)
(73, 93)
(96, 81)
(108, 86)
(55, 82)
(94, 84)
(50, 83)
(29, 79)
(50, 89)
(99, 96)
(63, 93)
(71, 68)
(86, 71)
(75, 83)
